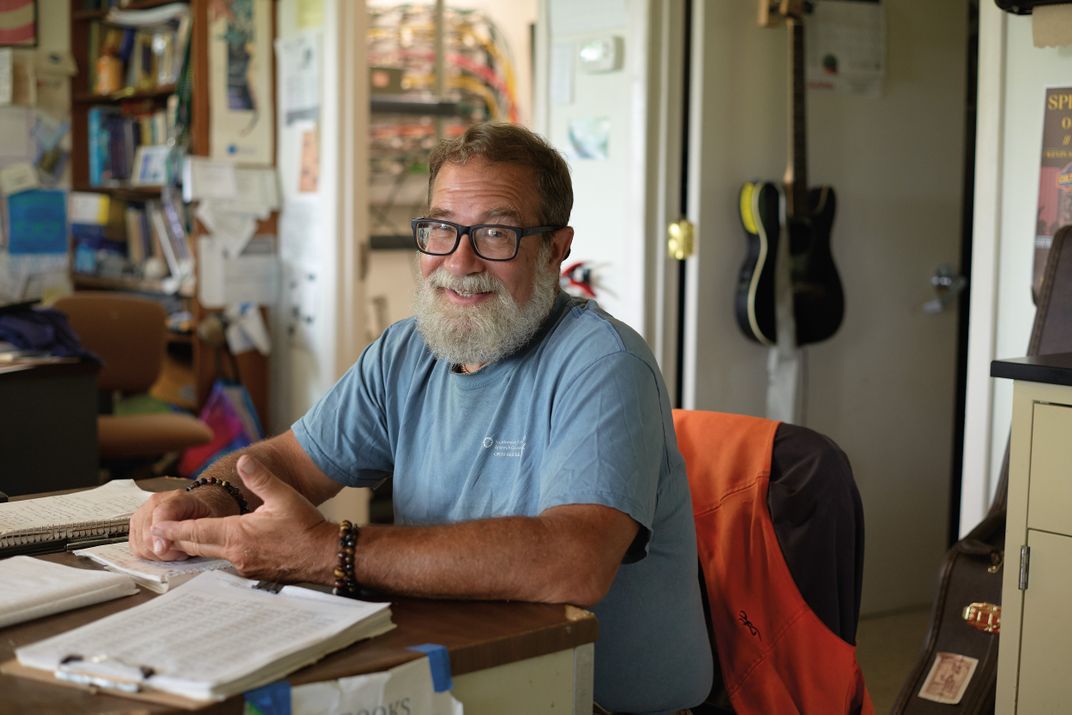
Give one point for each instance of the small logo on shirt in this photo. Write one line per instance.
(513, 448)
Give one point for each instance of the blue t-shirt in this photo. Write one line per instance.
(579, 416)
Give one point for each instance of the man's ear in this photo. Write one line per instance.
(563, 240)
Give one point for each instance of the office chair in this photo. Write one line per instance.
(779, 527)
(129, 335)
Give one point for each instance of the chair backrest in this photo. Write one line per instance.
(780, 538)
(126, 332)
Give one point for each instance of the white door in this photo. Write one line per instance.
(883, 387)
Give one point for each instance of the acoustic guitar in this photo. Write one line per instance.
(808, 215)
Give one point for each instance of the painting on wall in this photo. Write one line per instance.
(18, 23)
(240, 78)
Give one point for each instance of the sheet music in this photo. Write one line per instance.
(214, 630)
(109, 502)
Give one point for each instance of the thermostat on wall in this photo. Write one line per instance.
(601, 55)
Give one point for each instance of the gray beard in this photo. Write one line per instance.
(484, 333)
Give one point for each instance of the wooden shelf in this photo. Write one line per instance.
(130, 193)
(127, 94)
(142, 285)
(87, 15)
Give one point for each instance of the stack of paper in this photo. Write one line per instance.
(31, 588)
(157, 576)
(216, 636)
(56, 522)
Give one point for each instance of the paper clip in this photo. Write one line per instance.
(103, 671)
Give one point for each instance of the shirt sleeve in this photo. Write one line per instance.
(345, 433)
(607, 442)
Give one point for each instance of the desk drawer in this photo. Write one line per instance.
(1049, 500)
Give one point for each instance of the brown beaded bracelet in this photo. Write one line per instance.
(345, 580)
(243, 506)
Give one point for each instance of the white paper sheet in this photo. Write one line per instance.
(214, 636)
(158, 576)
(32, 588)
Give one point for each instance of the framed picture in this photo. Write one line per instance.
(18, 23)
(150, 166)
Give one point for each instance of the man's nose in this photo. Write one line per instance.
(464, 259)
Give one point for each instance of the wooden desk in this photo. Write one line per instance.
(504, 657)
(48, 426)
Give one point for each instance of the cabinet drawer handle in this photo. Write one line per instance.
(985, 617)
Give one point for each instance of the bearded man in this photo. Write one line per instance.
(528, 436)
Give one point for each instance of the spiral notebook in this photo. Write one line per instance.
(67, 521)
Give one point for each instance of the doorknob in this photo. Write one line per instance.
(947, 285)
(680, 241)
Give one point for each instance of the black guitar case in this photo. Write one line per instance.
(972, 570)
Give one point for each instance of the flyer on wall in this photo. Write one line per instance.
(240, 101)
(1055, 177)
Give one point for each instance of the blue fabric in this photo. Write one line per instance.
(580, 416)
(42, 329)
(438, 663)
(271, 699)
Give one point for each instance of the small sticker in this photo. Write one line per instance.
(949, 678)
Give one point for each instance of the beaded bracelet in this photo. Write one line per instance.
(243, 506)
(345, 580)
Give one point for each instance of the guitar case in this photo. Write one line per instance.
(945, 679)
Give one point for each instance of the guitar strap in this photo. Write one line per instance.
(784, 357)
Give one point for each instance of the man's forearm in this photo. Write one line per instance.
(568, 556)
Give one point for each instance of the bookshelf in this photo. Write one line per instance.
(143, 108)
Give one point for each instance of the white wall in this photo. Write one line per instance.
(1013, 77)
(322, 234)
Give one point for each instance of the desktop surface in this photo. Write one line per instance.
(478, 635)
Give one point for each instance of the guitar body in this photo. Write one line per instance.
(818, 299)
(760, 212)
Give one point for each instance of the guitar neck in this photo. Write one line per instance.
(796, 172)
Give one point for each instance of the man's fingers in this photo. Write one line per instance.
(199, 537)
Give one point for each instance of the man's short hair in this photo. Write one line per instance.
(512, 144)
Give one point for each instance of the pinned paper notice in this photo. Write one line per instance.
(18, 177)
(252, 277)
(207, 179)
(6, 74)
(246, 329)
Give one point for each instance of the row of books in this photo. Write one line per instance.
(113, 136)
(136, 239)
(138, 50)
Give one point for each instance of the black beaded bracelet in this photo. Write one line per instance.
(345, 580)
(243, 506)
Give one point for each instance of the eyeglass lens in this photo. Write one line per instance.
(490, 241)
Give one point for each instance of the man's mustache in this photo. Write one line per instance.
(476, 283)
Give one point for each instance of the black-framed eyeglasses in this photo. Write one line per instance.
(490, 241)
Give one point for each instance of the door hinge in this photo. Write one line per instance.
(680, 241)
(1025, 566)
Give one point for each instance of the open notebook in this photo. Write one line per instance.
(157, 576)
(217, 636)
(69, 520)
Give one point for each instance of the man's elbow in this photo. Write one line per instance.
(583, 587)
